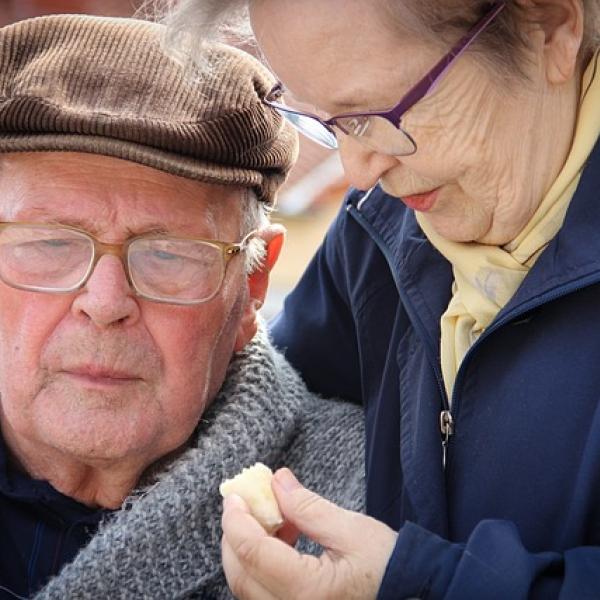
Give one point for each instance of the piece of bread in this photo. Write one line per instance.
(253, 484)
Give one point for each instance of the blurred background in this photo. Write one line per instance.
(307, 203)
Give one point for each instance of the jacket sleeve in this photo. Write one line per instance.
(492, 565)
(316, 329)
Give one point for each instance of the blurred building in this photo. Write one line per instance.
(308, 201)
(15, 10)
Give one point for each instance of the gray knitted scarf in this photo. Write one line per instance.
(165, 541)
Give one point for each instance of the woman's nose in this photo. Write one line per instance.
(363, 166)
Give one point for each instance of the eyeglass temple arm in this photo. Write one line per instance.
(428, 83)
(233, 249)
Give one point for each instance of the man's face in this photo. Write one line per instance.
(99, 375)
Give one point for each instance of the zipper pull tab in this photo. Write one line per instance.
(446, 429)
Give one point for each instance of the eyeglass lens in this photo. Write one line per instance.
(59, 260)
(311, 128)
(47, 258)
(378, 134)
(375, 132)
(186, 270)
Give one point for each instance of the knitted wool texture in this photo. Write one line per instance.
(165, 542)
(90, 84)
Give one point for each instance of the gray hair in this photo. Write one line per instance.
(501, 46)
(191, 23)
(254, 217)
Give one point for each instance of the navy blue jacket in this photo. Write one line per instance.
(40, 530)
(516, 511)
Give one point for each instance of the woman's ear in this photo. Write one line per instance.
(562, 22)
(258, 283)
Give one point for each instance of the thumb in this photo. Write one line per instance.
(317, 518)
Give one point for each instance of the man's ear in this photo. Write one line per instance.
(258, 282)
(562, 22)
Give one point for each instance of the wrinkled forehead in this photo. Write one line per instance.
(114, 198)
(336, 54)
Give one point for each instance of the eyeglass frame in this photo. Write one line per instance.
(423, 87)
(228, 251)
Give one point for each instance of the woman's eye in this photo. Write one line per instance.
(359, 126)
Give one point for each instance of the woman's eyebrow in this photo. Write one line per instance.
(333, 106)
(353, 101)
(346, 107)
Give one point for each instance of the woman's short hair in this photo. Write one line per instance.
(502, 45)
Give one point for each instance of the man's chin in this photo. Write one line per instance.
(96, 446)
(97, 425)
(77, 393)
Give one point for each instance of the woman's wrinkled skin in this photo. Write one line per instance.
(493, 149)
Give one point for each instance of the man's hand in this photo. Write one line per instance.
(261, 567)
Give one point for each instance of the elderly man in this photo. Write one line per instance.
(134, 253)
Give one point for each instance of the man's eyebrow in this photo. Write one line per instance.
(90, 226)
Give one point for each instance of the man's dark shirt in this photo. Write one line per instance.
(40, 530)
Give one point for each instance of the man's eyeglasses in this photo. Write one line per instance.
(59, 259)
(380, 130)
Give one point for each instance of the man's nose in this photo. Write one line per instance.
(363, 166)
(107, 299)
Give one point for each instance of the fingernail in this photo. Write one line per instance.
(233, 501)
(285, 478)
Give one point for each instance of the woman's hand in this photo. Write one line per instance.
(261, 567)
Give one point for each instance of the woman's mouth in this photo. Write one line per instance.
(421, 202)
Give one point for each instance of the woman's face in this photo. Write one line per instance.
(475, 138)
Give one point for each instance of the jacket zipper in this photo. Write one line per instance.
(447, 417)
(446, 429)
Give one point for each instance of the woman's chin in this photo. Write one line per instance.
(460, 229)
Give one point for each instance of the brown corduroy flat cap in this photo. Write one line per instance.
(105, 86)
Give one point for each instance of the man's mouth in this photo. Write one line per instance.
(421, 202)
(96, 375)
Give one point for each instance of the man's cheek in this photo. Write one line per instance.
(21, 345)
(27, 317)
(185, 333)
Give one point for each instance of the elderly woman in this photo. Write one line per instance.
(456, 297)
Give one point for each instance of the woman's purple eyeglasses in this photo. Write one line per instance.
(379, 129)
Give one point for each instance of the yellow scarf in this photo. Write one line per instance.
(486, 277)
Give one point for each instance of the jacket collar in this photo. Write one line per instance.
(424, 277)
(572, 258)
